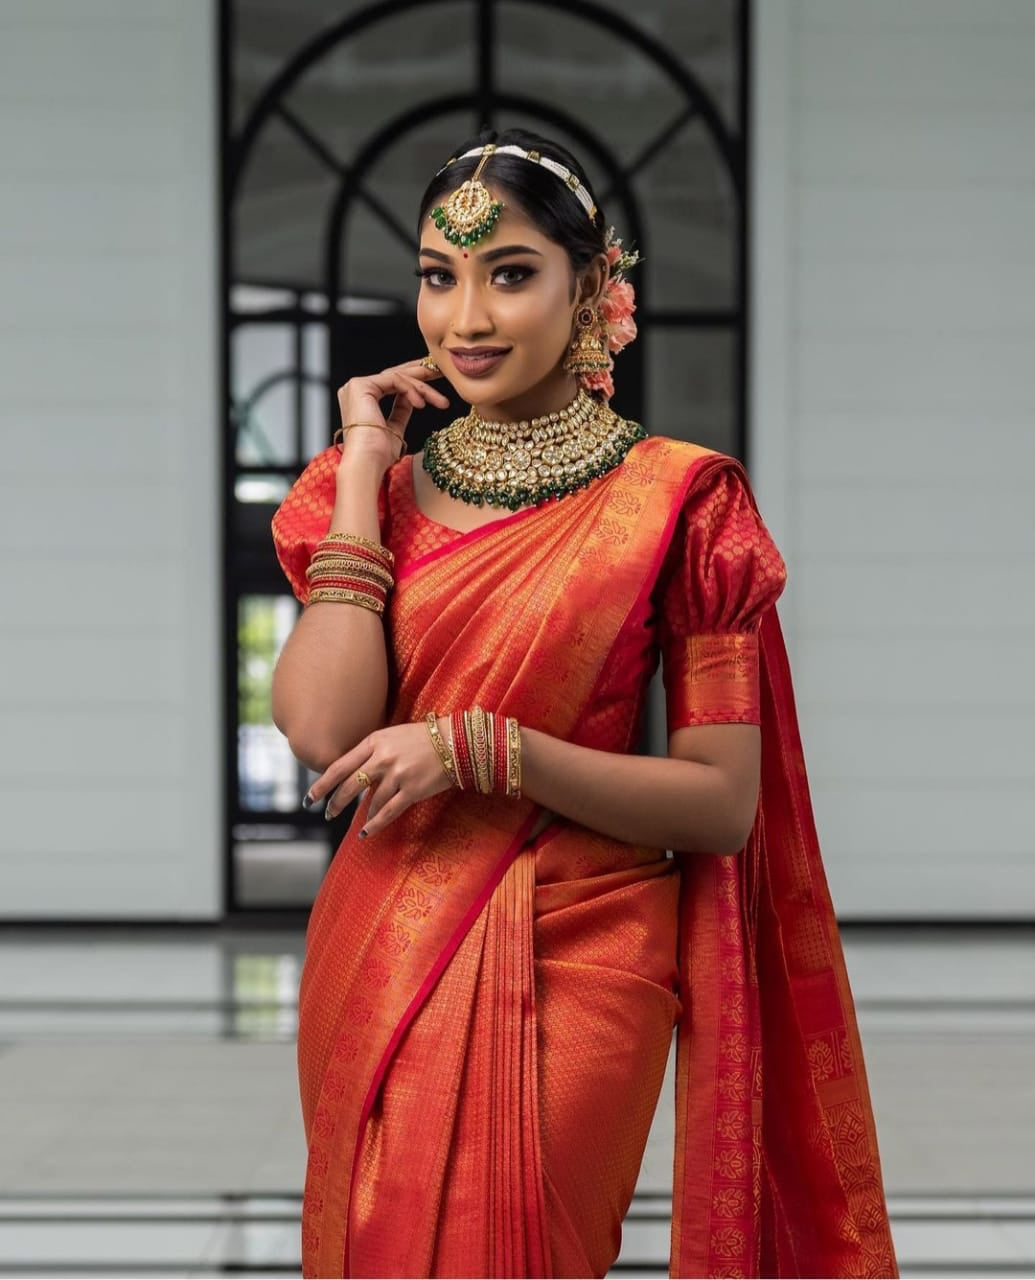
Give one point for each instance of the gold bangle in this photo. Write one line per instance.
(334, 565)
(380, 425)
(355, 555)
(468, 719)
(431, 720)
(513, 758)
(479, 739)
(452, 755)
(490, 749)
(363, 542)
(342, 595)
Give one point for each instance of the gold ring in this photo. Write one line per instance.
(364, 778)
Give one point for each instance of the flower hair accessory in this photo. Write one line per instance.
(618, 328)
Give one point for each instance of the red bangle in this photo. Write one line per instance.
(462, 751)
(499, 759)
(325, 550)
(346, 580)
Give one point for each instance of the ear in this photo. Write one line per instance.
(593, 281)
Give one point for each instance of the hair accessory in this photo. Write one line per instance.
(470, 213)
(571, 180)
(617, 327)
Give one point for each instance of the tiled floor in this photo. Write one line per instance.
(149, 1120)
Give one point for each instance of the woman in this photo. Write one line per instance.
(501, 947)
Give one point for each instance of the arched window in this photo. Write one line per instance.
(334, 117)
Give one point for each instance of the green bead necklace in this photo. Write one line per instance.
(514, 464)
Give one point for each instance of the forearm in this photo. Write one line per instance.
(330, 684)
(658, 801)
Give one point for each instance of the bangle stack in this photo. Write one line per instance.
(351, 569)
(484, 751)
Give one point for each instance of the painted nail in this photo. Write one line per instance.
(328, 815)
(363, 834)
(308, 800)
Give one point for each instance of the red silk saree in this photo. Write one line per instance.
(484, 1017)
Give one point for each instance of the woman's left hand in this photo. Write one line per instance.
(402, 765)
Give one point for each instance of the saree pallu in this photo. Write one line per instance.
(484, 1019)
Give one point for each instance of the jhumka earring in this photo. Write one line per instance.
(588, 352)
(470, 213)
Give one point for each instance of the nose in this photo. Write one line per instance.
(471, 317)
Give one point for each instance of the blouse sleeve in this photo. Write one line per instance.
(722, 572)
(304, 517)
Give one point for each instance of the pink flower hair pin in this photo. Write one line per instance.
(616, 306)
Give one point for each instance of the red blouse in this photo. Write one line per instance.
(720, 573)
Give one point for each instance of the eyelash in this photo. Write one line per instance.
(425, 272)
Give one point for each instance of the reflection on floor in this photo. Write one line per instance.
(150, 1117)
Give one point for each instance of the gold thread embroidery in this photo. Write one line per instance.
(712, 679)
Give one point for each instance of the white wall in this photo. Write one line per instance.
(893, 445)
(110, 702)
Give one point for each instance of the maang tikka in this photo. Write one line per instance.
(470, 213)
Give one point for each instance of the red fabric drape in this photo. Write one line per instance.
(484, 1022)
(777, 1171)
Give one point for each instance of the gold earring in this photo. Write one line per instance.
(588, 352)
(429, 363)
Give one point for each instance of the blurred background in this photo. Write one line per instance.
(207, 224)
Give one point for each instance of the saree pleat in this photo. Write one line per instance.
(485, 1017)
(402, 1174)
(605, 973)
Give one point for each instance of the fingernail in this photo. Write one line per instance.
(363, 834)
(327, 815)
(308, 800)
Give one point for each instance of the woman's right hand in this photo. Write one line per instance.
(359, 401)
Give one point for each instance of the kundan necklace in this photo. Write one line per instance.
(512, 464)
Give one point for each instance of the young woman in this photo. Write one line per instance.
(502, 946)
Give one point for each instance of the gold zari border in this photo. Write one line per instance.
(713, 679)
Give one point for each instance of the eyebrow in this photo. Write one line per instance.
(490, 256)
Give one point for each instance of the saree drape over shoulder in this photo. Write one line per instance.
(484, 1019)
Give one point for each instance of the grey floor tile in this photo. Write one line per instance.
(181, 1080)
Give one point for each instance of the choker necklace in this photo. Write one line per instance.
(513, 464)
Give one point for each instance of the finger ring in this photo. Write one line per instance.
(364, 778)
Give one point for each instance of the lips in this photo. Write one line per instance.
(477, 361)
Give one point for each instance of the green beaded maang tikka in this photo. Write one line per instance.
(470, 213)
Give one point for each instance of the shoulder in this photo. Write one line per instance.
(685, 452)
(689, 465)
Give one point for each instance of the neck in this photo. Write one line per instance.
(536, 402)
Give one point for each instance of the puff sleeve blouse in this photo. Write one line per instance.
(721, 573)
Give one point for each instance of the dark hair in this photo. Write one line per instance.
(541, 195)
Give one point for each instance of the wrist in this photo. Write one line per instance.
(359, 470)
(486, 749)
